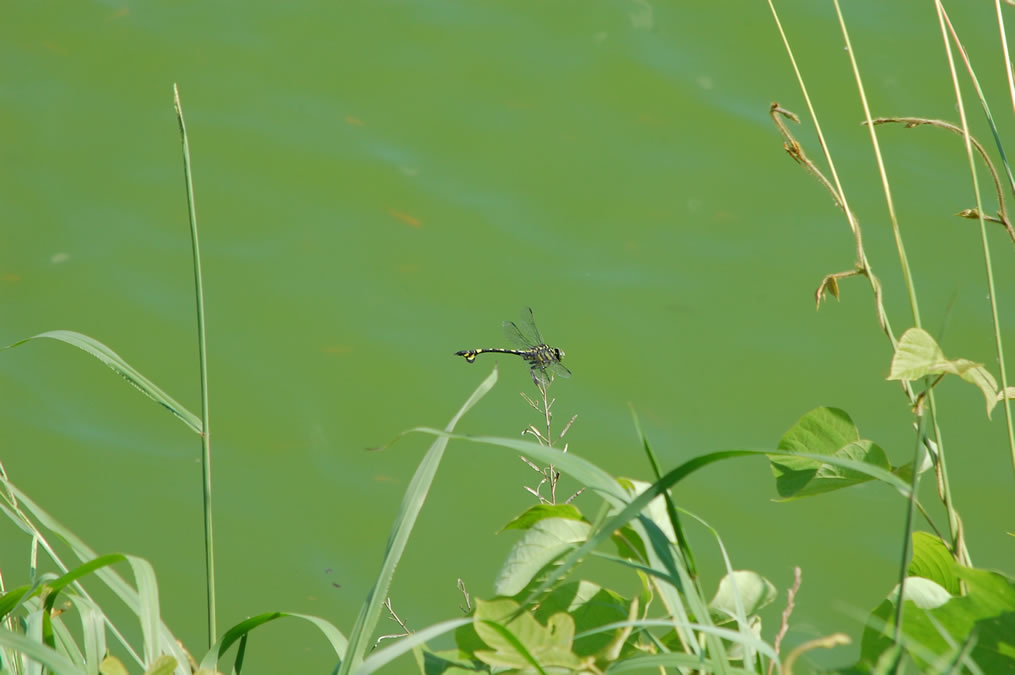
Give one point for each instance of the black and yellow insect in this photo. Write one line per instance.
(544, 361)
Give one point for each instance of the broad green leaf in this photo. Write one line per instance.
(932, 560)
(823, 431)
(164, 665)
(936, 624)
(918, 355)
(447, 662)
(590, 606)
(517, 640)
(534, 514)
(112, 666)
(546, 541)
(116, 363)
(755, 592)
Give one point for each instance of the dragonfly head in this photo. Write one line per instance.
(558, 353)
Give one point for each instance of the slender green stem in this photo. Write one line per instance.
(907, 274)
(908, 534)
(988, 266)
(209, 540)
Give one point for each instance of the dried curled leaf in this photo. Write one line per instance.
(830, 284)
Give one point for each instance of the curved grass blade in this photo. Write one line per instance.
(148, 593)
(739, 613)
(35, 650)
(412, 504)
(596, 479)
(64, 640)
(718, 631)
(241, 630)
(628, 509)
(671, 510)
(116, 363)
(383, 657)
(148, 597)
(93, 632)
(142, 601)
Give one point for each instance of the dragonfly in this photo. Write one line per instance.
(544, 361)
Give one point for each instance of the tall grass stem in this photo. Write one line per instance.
(907, 274)
(946, 28)
(209, 540)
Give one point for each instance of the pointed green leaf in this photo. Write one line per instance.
(112, 666)
(534, 514)
(932, 560)
(941, 623)
(755, 592)
(546, 541)
(164, 665)
(823, 431)
(590, 606)
(918, 355)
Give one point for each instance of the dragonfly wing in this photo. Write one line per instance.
(528, 327)
(540, 376)
(516, 337)
(559, 369)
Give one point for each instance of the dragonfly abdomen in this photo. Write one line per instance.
(471, 354)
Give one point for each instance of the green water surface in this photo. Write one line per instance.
(379, 185)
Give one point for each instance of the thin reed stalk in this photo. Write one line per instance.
(946, 29)
(209, 540)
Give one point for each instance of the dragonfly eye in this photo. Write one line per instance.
(559, 353)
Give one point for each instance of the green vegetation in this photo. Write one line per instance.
(943, 615)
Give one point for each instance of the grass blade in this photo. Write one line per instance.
(671, 510)
(412, 504)
(116, 363)
(40, 653)
(202, 354)
(382, 657)
(242, 630)
(167, 643)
